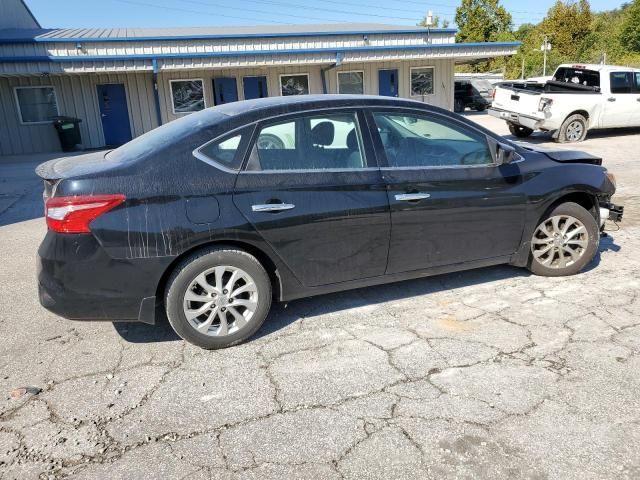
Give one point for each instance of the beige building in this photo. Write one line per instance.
(123, 82)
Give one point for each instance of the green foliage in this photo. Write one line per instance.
(630, 28)
(435, 22)
(482, 21)
(578, 35)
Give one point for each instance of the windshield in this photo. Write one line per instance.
(579, 76)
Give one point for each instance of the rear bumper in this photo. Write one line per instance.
(79, 281)
(530, 122)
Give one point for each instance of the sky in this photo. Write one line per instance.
(185, 13)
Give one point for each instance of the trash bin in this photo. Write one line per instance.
(69, 132)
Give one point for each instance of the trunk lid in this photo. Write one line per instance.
(67, 167)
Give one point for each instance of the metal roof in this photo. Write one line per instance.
(149, 34)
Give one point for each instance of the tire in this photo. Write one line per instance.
(480, 108)
(197, 276)
(519, 131)
(582, 241)
(458, 105)
(572, 130)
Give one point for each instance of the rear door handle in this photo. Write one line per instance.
(611, 99)
(272, 207)
(408, 197)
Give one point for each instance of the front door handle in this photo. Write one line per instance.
(611, 99)
(272, 207)
(409, 197)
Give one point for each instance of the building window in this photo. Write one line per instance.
(421, 81)
(187, 95)
(351, 82)
(36, 104)
(297, 84)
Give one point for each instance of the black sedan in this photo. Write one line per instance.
(212, 216)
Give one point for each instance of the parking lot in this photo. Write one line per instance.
(491, 373)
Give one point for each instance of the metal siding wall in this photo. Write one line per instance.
(77, 97)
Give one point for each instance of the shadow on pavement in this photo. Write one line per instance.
(282, 315)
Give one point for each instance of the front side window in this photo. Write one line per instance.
(36, 104)
(294, 84)
(351, 83)
(421, 81)
(187, 96)
(411, 140)
(226, 151)
(620, 82)
(311, 142)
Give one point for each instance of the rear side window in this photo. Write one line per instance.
(620, 82)
(310, 142)
(225, 152)
(417, 141)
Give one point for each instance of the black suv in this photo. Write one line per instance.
(211, 216)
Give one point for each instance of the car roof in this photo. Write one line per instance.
(265, 107)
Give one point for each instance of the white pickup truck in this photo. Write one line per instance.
(578, 98)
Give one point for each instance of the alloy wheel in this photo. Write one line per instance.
(575, 130)
(559, 241)
(220, 301)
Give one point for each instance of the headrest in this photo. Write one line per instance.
(322, 133)
(352, 140)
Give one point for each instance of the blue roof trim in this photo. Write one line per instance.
(221, 36)
(160, 56)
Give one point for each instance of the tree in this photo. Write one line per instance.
(568, 24)
(482, 21)
(630, 34)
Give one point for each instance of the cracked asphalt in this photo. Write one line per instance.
(491, 373)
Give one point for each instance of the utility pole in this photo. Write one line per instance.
(546, 46)
(522, 69)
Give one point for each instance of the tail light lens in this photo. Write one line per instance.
(74, 214)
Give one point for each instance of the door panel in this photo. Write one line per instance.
(225, 90)
(310, 190)
(388, 83)
(449, 203)
(332, 227)
(621, 105)
(255, 87)
(112, 100)
(470, 214)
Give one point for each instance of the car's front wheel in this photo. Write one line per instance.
(564, 242)
(218, 297)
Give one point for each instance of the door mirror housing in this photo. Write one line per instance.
(505, 153)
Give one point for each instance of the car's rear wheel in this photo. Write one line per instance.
(573, 129)
(218, 297)
(519, 131)
(458, 105)
(564, 242)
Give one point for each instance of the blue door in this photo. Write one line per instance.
(254, 87)
(388, 83)
(112, 99)
(225, 90)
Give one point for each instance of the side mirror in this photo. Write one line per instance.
(505, 153)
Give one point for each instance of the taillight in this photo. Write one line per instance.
(74, 214)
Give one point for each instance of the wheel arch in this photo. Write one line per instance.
(587, 200)
(266, 261)
(582, 112)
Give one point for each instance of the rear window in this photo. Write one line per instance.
(164, 136)
(579, 76)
